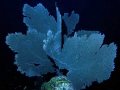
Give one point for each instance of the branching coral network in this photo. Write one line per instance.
(83, 55)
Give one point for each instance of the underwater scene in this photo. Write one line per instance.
(60, 45)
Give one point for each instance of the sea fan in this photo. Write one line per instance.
(83, 55)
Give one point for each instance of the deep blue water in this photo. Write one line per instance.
(101, 15)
